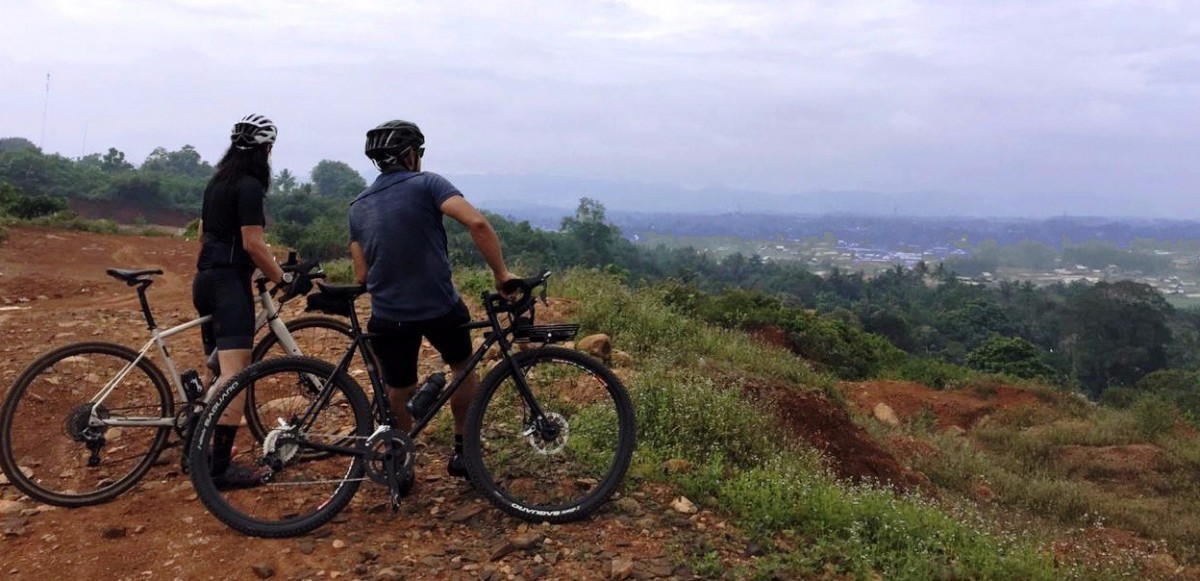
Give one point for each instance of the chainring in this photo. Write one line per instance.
(385, 442)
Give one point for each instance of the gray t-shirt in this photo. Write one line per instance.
(398, 223)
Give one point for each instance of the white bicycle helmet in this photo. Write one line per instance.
(253, 130)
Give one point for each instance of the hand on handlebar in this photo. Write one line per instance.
(301, 284)
(505, 284)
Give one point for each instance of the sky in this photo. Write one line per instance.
(978, 99)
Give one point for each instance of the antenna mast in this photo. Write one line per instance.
(45, 112)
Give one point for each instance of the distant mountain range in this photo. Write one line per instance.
(504, 192)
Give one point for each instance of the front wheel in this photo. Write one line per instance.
(60, 446)
(563, 465)
(314, 450)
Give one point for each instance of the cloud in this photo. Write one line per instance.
(896, 95)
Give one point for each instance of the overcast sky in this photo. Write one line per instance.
(978, 97)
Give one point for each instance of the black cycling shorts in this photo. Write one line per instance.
(225, 294)
(397, 345)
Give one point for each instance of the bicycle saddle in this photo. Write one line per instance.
(342, 291)
(132, 277)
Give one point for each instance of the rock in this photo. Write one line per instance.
(389, 574)
(884, 413)
(599, 345)
(629, 506)
(339, 544)
(676, 466)
(620, 568)
(501, 551)
(466, 513)
(306, 546)
(683, 505)
(263, 570)
(954, 431)
(10, 507)
(114, 532)
(621, 359)
(527, 541)
(14, 527)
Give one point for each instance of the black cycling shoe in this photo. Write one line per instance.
(407, 482)
(241, 476)
(457, 467)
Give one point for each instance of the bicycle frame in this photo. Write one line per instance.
(268, 314)
(381, 406)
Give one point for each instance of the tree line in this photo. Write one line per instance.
(924, 322)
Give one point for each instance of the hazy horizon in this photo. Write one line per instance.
(1083, 107)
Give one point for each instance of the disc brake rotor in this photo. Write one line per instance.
(539, 437)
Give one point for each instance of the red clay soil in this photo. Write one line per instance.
(850, 450)
(962, 408)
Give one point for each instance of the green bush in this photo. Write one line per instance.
(1120, 397)
(1154, 416)
(933, 373)
(1011, 356)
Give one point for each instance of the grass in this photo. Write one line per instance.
(746, 466)
(1020, 462)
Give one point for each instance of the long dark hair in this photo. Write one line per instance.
(237, 162)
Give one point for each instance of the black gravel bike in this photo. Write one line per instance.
(549, 436)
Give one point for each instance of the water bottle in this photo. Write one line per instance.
(192, 385)
(422, 401)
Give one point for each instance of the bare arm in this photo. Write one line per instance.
(360, 263)
(200, 238)
(482, 233)
(255, 242)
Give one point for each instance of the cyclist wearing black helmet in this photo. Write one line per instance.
(398, 245)
(232, 244)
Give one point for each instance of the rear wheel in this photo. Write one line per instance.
(324, 338)
(51, 445)
(564, 465)
(310, 483)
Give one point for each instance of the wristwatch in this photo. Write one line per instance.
(287, 278)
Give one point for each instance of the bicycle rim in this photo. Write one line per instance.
(309, 488)
(44, 425)
(558, 472)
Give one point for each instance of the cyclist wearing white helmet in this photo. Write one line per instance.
(398, 245)
(232, 244)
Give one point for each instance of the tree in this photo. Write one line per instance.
(593, 237)
(1011, 356)
(284, 183)
(114, 161)
(1116, 333)
(15, 143)
(185, 161)
(335, 179)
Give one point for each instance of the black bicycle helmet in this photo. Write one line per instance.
(253, 130)
(387, 142)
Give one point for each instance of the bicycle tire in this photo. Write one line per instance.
(44, 436)
(510, 465)
(336, 331)
(277, 508)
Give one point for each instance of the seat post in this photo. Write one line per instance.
(141, 291)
